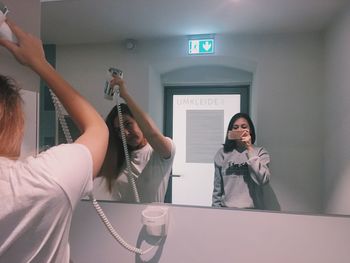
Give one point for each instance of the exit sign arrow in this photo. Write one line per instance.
(200, 46)
(207, 46)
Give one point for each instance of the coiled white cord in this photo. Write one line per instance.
(114, 233)
(131, 177)
(60, 113)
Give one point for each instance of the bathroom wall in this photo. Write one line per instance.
(206, 235)
(337, 118)
(30, 139)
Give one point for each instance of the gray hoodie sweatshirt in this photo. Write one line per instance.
(239, 177)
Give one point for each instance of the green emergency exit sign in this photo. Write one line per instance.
(200, 46)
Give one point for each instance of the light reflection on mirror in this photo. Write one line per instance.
(291, 98)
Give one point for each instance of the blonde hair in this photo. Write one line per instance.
(11, 118)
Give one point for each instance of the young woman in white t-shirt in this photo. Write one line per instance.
(39, 194)
(151, 155)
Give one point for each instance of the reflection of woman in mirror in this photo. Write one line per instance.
(151, 155)
(241, 168)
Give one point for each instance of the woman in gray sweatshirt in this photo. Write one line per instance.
(241, 168)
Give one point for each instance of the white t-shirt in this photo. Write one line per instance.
(37, 198)
(151, 175)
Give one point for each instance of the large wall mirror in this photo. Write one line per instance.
(293, 55)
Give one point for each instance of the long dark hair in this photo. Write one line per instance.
(11, 117)
(229, 145)
(115, 156)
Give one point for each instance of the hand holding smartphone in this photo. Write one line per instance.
(235, 135)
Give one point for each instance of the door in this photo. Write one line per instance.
(197, 119)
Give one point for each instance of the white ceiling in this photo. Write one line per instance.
(91, 21)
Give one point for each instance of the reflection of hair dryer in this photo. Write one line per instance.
(5, 31)
(108, 89)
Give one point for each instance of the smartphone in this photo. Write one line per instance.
(235, 135)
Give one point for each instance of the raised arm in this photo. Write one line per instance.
(29, 52)
(155, 138)
(258, 165)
